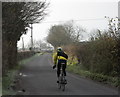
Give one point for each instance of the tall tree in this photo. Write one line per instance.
(58, 36)
(64, 34)
(17, 16)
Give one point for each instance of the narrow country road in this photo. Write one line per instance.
(40, 79)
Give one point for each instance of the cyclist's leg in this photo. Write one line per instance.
(58, 68)
(64, 71)
(64, 68)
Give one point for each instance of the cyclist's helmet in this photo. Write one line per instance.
(59, 49)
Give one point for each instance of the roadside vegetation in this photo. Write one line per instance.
(105, 79)
(0, 86)
(8, 82)
(11, 79)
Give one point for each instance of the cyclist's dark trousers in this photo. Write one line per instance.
(63, 67)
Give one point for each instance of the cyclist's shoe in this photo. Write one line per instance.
(57, 81)
(65, 81)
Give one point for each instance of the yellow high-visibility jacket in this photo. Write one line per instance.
(56, 58)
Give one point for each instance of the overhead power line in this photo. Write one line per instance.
(75, 20)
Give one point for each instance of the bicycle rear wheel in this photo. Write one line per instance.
(59, 86)
(63, 87)
(59, 83)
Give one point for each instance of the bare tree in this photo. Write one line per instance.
(41, 45)
(17, 17)
(74, 31)
(64, 34)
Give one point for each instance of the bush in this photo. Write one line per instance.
(97, 54)
(24, 55)
(114, 81)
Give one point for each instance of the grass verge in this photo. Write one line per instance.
(29, 59)
(7, 81)
(9, 78)
(113, 81)
(0, 86)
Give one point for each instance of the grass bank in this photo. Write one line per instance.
(9, 78)
(7, 81)
(29, 59)
(0, 86)
(113, 81)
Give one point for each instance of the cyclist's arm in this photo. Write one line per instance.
(55, 58)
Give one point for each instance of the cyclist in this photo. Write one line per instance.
(60, 57)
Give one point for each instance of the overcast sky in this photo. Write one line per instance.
(90, 15)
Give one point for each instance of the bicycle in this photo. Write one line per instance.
(62, 81)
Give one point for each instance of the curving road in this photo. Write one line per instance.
(38, 78)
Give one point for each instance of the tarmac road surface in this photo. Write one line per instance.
(38, 78)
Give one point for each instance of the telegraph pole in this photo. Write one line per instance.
(31, 36)
(23, 44)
